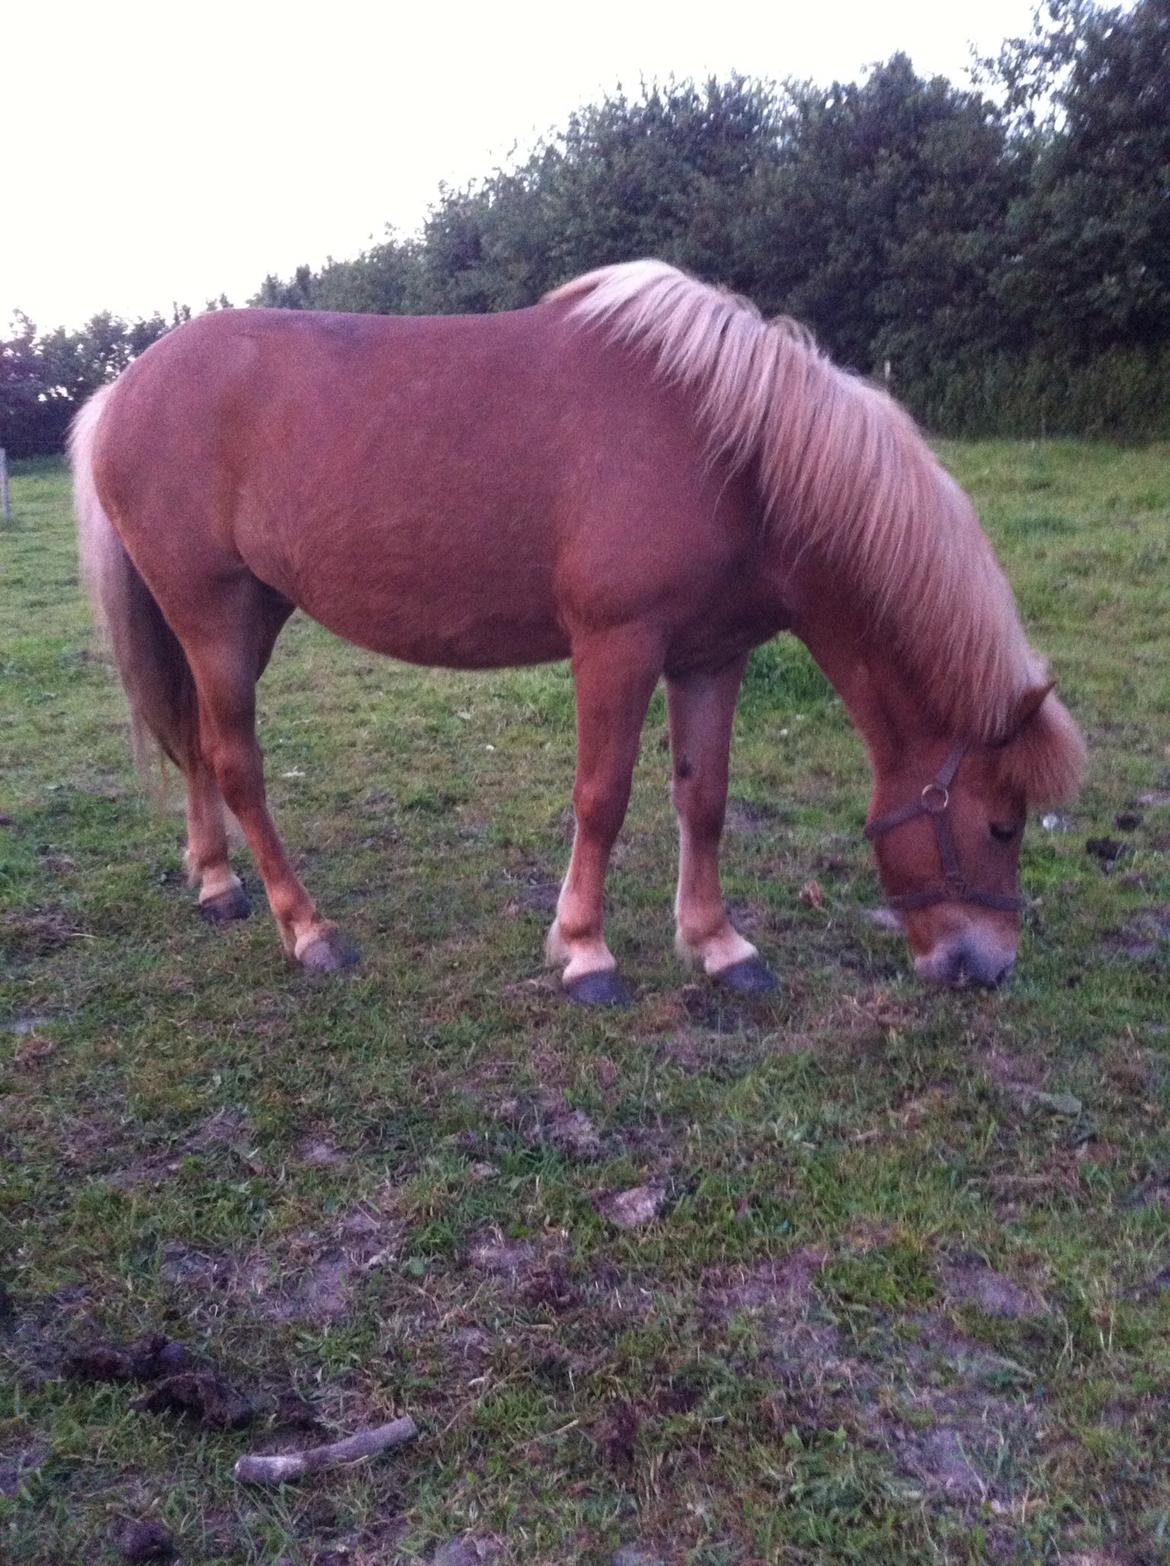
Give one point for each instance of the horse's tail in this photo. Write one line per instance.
(153, 668)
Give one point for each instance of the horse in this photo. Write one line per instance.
(640, 474)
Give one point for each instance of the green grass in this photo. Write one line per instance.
(907, 1297)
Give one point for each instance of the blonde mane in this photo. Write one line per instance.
(844, 469)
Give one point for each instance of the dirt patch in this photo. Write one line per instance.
(226, 1128)
(1144, 936)
(17, 1467)
(707, 1008)
(634, 1208)
(553, 1123)
(32, 1023)
(28, 936)
(942, 1461)
(533, 891)
(312, 1276)
(504, 1258)
(466, 1551)
(319, 1152)
(932, 1400)
(540, 898)
(752, 816)
(970, 1281)
(805, 1349)
(783, 1286)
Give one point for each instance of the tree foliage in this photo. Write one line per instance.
(1003, 245)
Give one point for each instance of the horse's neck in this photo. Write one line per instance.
(888, 713)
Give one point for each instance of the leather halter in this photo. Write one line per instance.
(934, 801)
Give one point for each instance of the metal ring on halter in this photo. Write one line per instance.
(934, 801)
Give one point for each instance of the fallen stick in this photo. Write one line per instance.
(283, 1467)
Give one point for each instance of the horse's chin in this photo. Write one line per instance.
(974, 958)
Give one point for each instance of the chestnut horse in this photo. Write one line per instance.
(639, 474)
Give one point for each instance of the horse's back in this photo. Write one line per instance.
(452, 490)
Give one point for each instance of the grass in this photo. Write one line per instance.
(907, 1296)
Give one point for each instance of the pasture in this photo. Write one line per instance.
(896, 1284)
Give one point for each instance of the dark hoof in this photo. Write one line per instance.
(600, 989)
(232, 904)
(752, 976)
(329, 954)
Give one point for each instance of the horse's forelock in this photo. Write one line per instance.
(1045, 762)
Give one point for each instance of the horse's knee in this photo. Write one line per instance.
(599, 810)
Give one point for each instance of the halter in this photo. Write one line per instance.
(934, 802)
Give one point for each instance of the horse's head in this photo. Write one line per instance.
(946, 822)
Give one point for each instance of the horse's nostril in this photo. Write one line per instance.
(956, 971)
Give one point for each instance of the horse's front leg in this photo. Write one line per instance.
(615, 675)
(701, 709)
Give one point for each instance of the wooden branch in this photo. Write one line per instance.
(284, 1467)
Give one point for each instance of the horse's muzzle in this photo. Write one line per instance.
(967, 962)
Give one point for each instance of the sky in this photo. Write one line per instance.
(165, 152)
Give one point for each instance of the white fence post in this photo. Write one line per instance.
(5, 503)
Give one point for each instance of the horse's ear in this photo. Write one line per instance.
(1026, 709)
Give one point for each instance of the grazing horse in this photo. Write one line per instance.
(639, 474)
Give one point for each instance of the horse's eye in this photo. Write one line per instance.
(1004, 831)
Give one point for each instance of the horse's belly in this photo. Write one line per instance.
(451, 625)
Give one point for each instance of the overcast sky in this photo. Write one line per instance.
(170, 151)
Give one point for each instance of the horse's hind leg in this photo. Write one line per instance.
(221, 896)
(227, 652)
(615, 676)
(701, 710)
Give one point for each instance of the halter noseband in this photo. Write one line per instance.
(934, 802)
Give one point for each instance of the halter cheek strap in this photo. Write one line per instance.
(934, 801)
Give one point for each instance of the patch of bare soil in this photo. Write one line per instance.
(18, 1466)
(226, 1133)
(1144, 936)
(706, 1007)
(504, 1258)
(532, 891)
(28, 936)
(941, 1407)
(38, 1335)
(752, 816)
(969, 1281)
(467, 1551)
(634, 1208)
(312, 1276)
(319, 1152)
(551, 1122)
(226, 1128)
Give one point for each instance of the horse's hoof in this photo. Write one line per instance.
(226, 906)
(752, 976)
(329, 953)
(604, 988)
